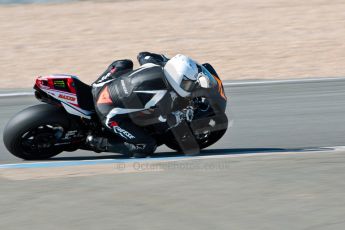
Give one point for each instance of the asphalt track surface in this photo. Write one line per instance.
(276, 168)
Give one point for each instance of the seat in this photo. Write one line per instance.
(84, 95)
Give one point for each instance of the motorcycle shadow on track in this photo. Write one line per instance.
(206, 152)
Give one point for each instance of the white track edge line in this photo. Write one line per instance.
(16, 94)
(52, 162)
(263, 82)
(267, 82)
(332, 149)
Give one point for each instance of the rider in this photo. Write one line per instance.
(118, 93)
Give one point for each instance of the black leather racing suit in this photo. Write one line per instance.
(115, 101)
(127, 100)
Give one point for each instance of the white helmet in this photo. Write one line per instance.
(182, 74)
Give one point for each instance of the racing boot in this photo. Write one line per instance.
(147, 57)
(103, 144)
(140, 150)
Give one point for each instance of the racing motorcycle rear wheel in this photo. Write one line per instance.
(33, 133)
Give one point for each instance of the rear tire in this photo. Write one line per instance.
(37, 124)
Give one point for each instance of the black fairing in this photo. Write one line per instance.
(210, 68)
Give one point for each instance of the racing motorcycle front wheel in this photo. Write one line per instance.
(205, 136)
(33, 133)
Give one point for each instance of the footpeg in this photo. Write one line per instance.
(98, 144)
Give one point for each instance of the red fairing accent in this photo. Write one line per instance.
(75, 105)
(70, 85)
(38, 82)
(41, 81)
(113, 124)
(50, 83)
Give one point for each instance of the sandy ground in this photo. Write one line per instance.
(247, 39)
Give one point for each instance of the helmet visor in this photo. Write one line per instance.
(187, 84)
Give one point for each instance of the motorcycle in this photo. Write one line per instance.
(67, 117)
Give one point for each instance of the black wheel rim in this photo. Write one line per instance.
(42, 139)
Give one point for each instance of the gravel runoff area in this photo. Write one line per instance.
(249, 39)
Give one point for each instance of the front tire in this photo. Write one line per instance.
(204, 140)
(32, 133)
